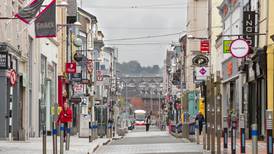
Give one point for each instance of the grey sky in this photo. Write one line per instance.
(151, 17)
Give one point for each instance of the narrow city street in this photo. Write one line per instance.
(152, 142)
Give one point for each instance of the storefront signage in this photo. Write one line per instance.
(239, 48)
(200, 60)
(204, 46)
(249, 24)
(226, 46)
(3, 60)
(229, 68)
(70, 67)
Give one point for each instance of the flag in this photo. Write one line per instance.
(45, 23)
(27, 13)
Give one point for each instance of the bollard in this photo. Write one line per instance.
(225, 134)
(90, 132)
(67, 130)
(44, 140)
(242, 132)
(62, 138)
(204, 136)
(95, 130)
(54, 138)
(197, 132)
(254, 134)
(233, 137)
(269, 132)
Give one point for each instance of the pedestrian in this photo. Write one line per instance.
(201, 119)
(65, 117)
(147, 122)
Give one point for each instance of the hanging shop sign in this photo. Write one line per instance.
(99, 75)
(204, 46)
(200, 60)
(45, 23)
(226, 46)
(89, 66)
(78, 57)
(249, 24)
(76, 77)
(78, 88)
(76, 100)
(239, 48)
(12, 76)
(229, 68)
(201, 73)
(71, 68)
(3, 60)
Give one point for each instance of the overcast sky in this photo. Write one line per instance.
(123, 19)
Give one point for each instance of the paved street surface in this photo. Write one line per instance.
(152, 142)
(34, 146)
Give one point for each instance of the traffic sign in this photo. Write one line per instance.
(12, 76)
(201, 73)
(239, 48)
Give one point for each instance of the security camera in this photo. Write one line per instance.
(272, 37)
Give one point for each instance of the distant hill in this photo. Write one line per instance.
(134, 68)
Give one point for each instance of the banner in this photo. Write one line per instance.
(27, 13)
(45, 24)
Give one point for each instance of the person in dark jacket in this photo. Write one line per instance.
(147, 122)
(201, 119)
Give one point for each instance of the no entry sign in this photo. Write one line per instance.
(12, 77)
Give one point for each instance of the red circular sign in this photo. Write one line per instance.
(12, 76)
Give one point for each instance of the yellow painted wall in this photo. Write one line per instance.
(270, 59)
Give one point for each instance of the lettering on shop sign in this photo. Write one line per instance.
(249, 27)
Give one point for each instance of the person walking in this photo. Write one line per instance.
(65, 117)
(201, 119)
(147, 122)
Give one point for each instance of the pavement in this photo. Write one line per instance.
(155, 141)
(34, 146)
(261, 146)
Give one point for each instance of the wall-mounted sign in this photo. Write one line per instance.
(204, 46)
(3, 60)
(249, 24)
(201, 73)
(239, 48)
(200, 60)
(226, 46)
(70, 67)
